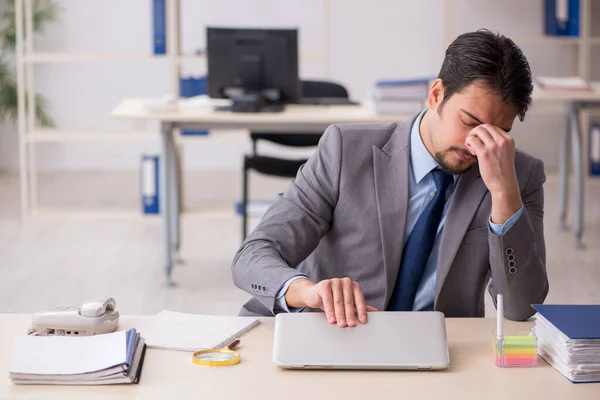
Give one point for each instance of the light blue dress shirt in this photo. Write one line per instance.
(421, 190)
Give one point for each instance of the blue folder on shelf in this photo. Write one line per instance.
(190, 87)
(150, 184)
(561, 17)
(159, 22)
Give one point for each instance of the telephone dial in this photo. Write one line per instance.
(93, 317)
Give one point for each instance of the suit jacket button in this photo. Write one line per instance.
(253, 286)
(509, 251)
(511, 257)
(512, 264)
(512, 270)
(264, 289)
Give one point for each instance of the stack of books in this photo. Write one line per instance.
(112, 358)
(569, 339)
(400, 96)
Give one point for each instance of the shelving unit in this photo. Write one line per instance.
(27, 58)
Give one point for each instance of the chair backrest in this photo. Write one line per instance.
(310, 89)
(317, 89)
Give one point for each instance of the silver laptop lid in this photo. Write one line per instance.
(389, 340)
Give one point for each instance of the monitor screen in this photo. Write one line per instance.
(254, 67)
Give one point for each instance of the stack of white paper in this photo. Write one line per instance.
(111, 358)
(568, 340)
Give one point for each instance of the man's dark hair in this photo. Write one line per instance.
(492, 58)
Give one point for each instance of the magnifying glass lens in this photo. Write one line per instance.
(215, 356)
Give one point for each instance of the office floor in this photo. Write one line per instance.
(53, 260)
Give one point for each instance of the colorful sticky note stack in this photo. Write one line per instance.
(516, 351)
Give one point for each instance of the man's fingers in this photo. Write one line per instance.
(338, 302)
(482, 132)
(349, 306)
(475, 144)
(359, 300)
(327, 298)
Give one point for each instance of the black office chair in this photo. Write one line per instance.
(313, 92)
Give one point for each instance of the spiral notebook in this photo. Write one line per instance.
(172, 330)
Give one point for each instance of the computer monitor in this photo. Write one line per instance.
(256, 68)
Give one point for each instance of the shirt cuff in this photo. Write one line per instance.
(501, 229)
(280, 302)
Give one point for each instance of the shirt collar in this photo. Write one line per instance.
(421, 161)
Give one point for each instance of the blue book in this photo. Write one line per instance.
(159, 26)
(150, 184)
(561, 23)
(404, 82)
(574, 321)
(189, 87)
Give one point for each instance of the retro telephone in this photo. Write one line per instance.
(93, 317)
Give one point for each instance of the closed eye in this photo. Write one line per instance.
(472, 125)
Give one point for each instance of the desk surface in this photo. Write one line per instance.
(319, 116)
(170, 374)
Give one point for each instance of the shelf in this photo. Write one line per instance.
(308, 56)
(595, 41)
(78, 57)
(542, 39)
(56, 136)
(38, 58)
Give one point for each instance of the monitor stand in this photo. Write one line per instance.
(253, 102)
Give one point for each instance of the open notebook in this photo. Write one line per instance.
(191, 332)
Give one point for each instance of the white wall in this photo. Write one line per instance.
(369, 40)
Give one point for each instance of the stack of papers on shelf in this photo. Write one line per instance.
(563, 83)
(569, 339)
(406, 96)
(171, 103)
(110, 358)
(172, 330)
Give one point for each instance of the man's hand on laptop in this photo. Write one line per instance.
(342, 299)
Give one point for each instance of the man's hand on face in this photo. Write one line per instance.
(495, 151)
(341, 299)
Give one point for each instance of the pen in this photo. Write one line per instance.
(499, 317)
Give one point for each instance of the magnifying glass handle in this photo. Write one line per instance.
(233, 345)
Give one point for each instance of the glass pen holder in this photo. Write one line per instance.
(516, 351)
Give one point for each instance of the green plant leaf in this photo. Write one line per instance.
(43, 12)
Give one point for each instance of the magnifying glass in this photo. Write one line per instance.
(218, 357)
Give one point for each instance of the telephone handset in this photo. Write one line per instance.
(93, 317)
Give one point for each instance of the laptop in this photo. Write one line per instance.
(388, 341)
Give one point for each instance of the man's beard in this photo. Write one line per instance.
(440, 157)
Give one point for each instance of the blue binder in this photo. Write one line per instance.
(574, 321)
(160, 26)
(189, 87)
(555, 26)
(594, 149)
(150, 184)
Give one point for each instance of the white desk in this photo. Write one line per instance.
(172, 375)
(296, 118)
(574, 102)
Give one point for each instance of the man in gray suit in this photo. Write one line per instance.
(415, 215)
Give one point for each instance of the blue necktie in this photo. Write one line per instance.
(418, 247)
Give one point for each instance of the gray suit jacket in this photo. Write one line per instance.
(345, 214)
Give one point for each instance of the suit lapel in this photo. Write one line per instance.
(391, 169)
(466, 199)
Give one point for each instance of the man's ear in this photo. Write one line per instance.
(435, 97)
